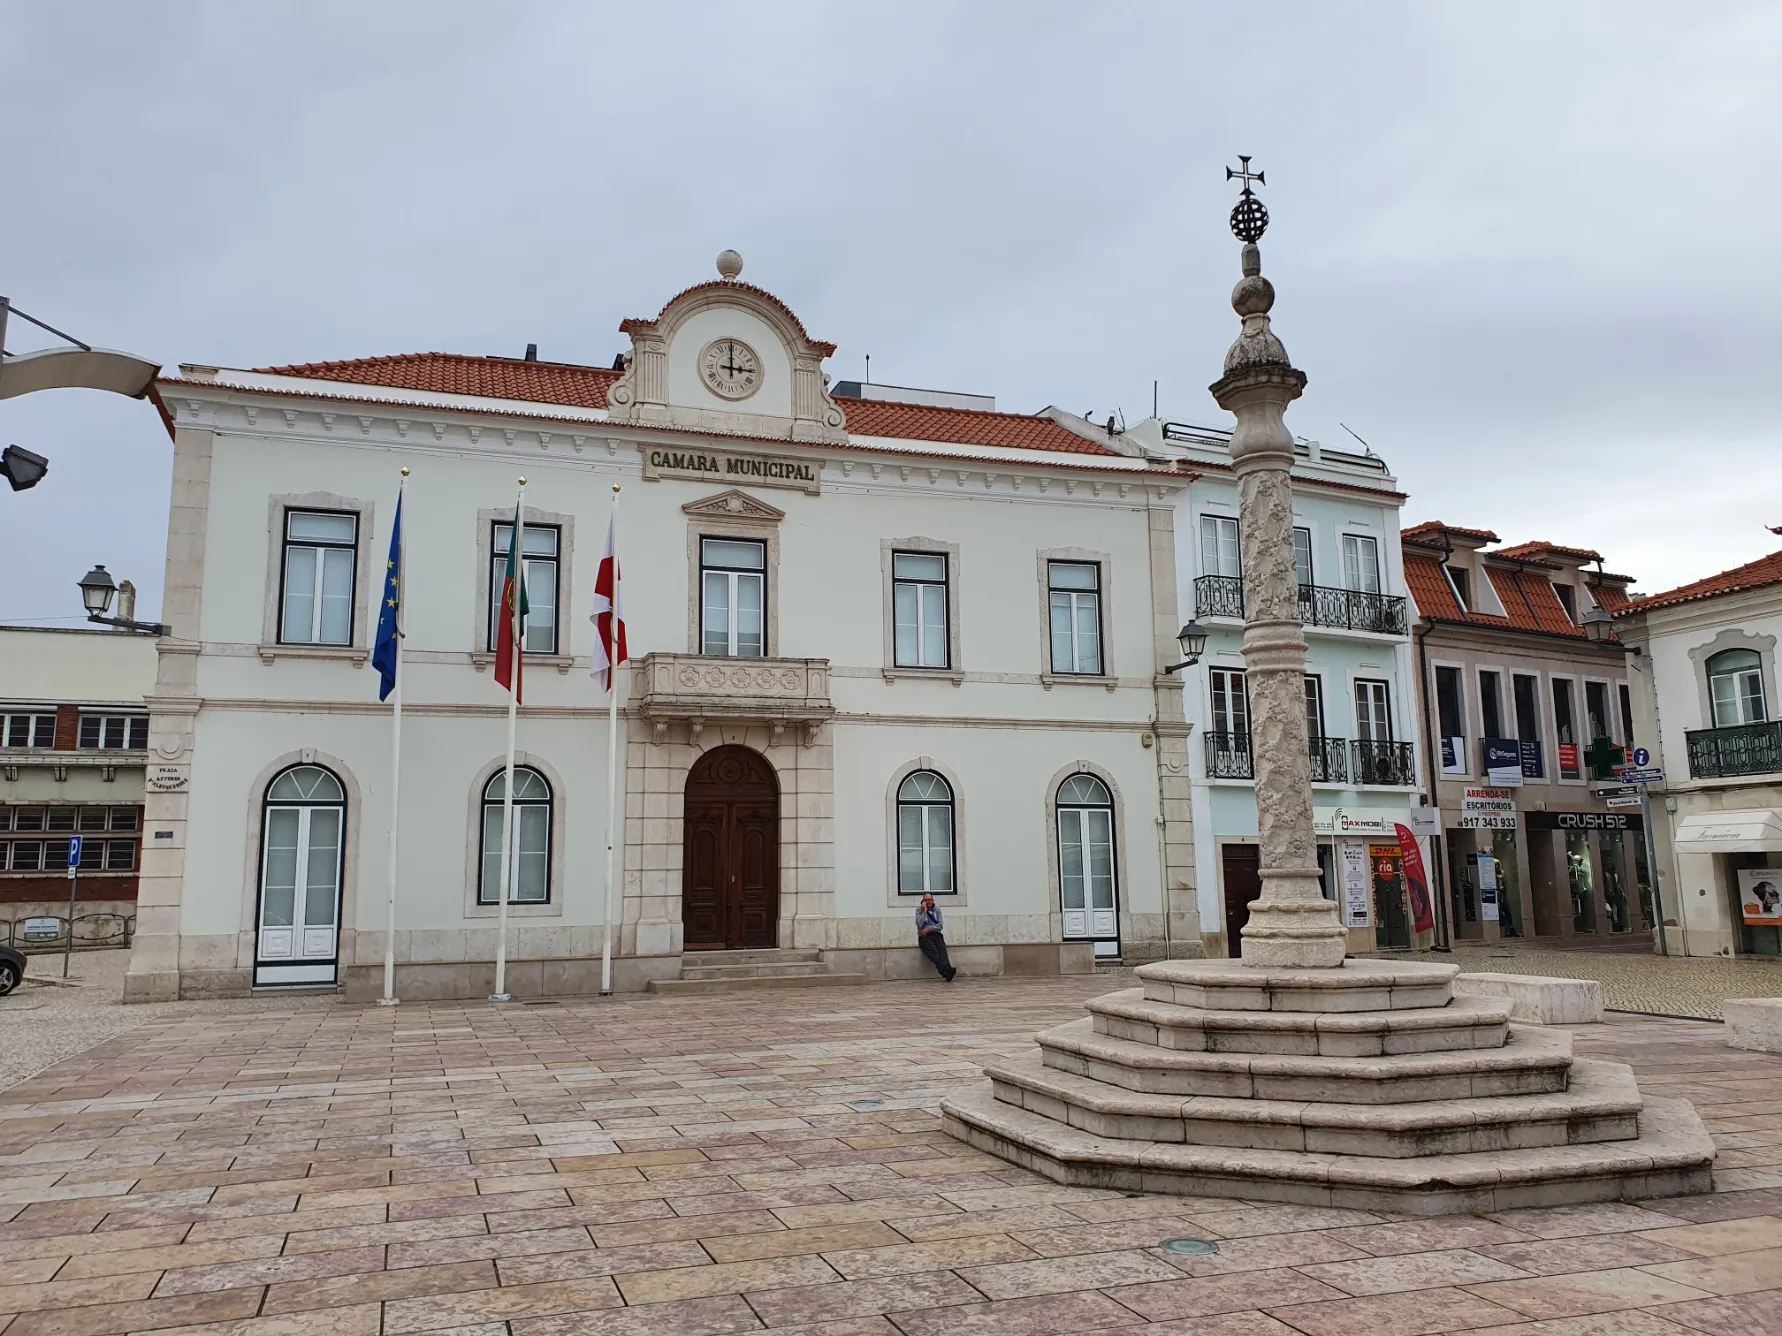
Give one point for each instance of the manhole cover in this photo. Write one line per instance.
(1192, 1247)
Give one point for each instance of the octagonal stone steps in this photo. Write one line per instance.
(1360, 985)
(1532, 1061)
(1465, 1022)
(1601, 1103)
(1672, 1156)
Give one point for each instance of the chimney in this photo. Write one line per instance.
(531, 352)
(126, 602)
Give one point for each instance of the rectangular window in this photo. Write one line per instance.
(1565, 730)
(540, 560)
(113, 732)
(1361, 563)
(1074, 591)
(1373, 711)
(1627, 734)
(1596, 709)
(1568, 601)
(1231, 701)
(1451, 719)
(120, 856)
(1219, 553)
(1525, 690)
(733, 597)
(1491, 705)
(919, 609)
(1302, 557)
(320, 560)
(1314, 708)
(28, 730)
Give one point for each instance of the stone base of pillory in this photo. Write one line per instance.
(1537, 999)
(1372, 1086)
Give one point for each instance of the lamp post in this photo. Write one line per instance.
(1192, 639)
(97, 589)
(1291, 924)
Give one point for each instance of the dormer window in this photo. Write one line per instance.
(1568, 600)
(1459, 586)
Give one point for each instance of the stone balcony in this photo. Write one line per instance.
(698, 687)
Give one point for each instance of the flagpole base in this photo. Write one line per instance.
(389, 1001)
(501, 997)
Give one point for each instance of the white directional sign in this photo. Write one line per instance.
(1640, 775)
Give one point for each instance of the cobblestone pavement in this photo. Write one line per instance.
(773, 1160)
(1658, 985)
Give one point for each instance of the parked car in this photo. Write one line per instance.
(12, 969)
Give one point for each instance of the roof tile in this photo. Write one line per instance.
(1435, 528)
(1752, 575)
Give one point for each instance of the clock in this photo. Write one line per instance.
(730, 368)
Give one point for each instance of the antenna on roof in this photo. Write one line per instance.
(1364, 445)
(1153, 398)
(869, 368)
(531, 352)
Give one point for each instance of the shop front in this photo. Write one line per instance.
(1372, 862)
(1731, 862)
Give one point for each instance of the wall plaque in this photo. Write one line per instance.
(729, 466)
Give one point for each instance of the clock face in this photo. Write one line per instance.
(730, 368)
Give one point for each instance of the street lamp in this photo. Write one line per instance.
(97, 589)
(1193, 640)
(1599, 626)
(22, 468)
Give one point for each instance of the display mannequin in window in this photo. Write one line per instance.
(929, 937)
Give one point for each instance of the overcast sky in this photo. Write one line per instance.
(1528, 251)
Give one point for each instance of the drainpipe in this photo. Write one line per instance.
(1432, 763)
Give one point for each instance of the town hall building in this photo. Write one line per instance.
(883, 642)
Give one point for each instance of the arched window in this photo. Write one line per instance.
(303, 824)
(1087, 886)
(529, 871)
(1735, 685)
(924, 835)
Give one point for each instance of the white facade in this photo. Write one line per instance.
(1705, 684)
(768, 495)
(1363, 718)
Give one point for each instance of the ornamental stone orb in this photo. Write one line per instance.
(729, 264)
(1253, 295)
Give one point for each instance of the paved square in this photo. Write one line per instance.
(737, 1162)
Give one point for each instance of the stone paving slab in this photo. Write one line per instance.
(640, 1165)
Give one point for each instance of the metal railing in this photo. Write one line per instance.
(1319, 605)
(1745, 749)
(1330, 760)
(1393, 763)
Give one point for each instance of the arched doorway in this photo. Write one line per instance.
(730, 869)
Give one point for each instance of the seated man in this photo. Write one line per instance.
(929, 938)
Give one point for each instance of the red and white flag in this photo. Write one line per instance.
(608, 615)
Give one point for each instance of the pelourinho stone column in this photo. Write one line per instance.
(1292, 924)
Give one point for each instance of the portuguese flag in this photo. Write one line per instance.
(508, 668)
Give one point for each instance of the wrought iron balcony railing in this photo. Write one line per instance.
(1745, 749)
(1228, 757)
(1330, 760)
(1393, 763)
(1319, 605)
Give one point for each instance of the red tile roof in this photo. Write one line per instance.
(458, 373)
(586, 387)
(1544, 549)
(1527, 596)
(1752, 575)
(1435, 529)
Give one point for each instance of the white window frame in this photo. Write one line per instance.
(299, 965)
(1364, 714)
(127, 724)
(1739, 677)
(492, 808)
(34, 728)
(1355, 571)
(1214, 527)
(1219, 685)
(271, 647)
(927, 808)
(540, 571)
(924, 593)
(1083, 608)
(1069, 817)
(325, 551)
(733, 582)
(1311, 571)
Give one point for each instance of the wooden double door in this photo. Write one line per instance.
(730, 878)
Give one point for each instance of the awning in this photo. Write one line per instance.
(1756, 830)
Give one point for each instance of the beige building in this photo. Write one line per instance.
(73, 748)
(1518, 709)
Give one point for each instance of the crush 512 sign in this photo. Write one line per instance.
(663, 461)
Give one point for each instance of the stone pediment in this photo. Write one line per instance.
(735, 505)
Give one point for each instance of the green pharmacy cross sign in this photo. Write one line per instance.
(1603, 756)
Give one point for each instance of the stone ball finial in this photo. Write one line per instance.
(729, 264)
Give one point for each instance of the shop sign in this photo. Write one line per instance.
(1530, 752)
(1760, 896)
(1503, 762)
(1416, 883)
(1355, 883)
(1487, 864)
(1425, 822)
(1568, 760)
(1453, 756)
(1356, 821)
(1583, 821)
(1487, 809)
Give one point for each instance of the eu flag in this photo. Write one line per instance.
(383, 655)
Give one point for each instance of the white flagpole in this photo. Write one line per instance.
(612, 761)
(389, 999)
(509, 864)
